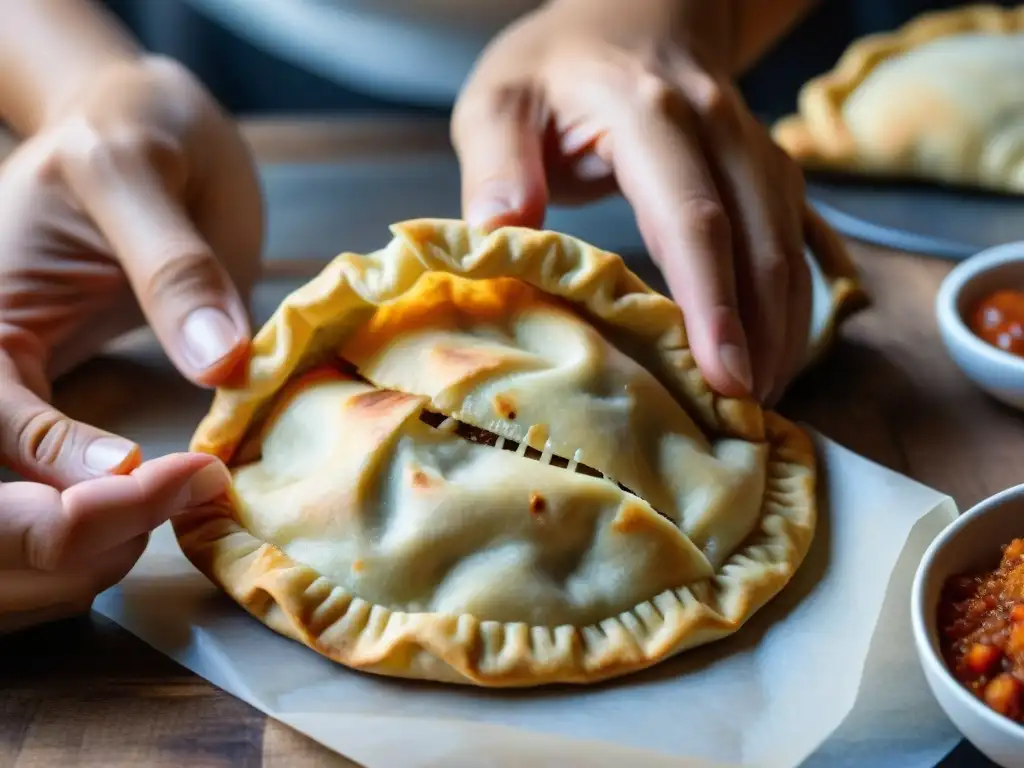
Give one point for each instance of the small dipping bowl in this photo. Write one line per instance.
(973, 542)
(997, 372)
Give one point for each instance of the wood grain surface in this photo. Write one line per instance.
(86, 693)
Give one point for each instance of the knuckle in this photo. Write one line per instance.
(510, 99)
(48, 543)
(16, 340)
(84, 145)
(708, 96)
(190, 99)
(169, 68)
(706, 218)
(41, 435)
(655, 93)
(773, 267)
(713, 102)
(183, 271)
(109, 152)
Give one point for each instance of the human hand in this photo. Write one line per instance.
(137, 202)
(580, 99)
(59, 550)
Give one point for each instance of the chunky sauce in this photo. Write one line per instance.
(999, 320)
(981, 626)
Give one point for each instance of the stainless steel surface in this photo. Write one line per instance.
(948, 223)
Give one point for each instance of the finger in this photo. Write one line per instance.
(15, 621)
(579, 169)
(498, 138)
(797, 330)
(183, 290)
(764, 219)
(38, 441)
(798, 307)
(825, 243)
(43, 530)
(660, 169)
(82, 342)
(72, 589)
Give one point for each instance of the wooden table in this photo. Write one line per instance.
(87, 693)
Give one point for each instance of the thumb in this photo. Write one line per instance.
(183, 290)
(498, 138)
(44, 445)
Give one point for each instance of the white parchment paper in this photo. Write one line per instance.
(825, 675)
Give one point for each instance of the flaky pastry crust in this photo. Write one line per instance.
(908, 125)
(345, 308)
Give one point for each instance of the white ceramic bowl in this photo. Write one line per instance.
(973, 541)
(997, 372)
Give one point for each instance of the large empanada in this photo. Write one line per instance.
(492, 460)
(940, 100)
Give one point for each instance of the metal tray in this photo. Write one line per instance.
(947, 222)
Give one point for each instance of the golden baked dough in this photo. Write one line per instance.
(941, 100)
(491, 459)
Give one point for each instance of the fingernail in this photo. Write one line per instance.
(209, 336)
(737, 362)
(484, 211)
(579, 138)
(494, 201)
(208, 483)
(107, 454)
(591, 167)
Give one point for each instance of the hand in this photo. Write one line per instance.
(581, 98)
(59, 550)
(137, 202)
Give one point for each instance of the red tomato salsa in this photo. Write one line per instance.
(981, 632)
(999, 320)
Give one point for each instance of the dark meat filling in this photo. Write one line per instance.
(483, 437)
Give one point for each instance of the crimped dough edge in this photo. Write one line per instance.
(817, 135)
(296, 601)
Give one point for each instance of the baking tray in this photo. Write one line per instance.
(949, 223)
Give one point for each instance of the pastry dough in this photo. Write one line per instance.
(940, 99)
(491, 459)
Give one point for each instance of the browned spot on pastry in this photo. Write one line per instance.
(378, 401)
(420, 479)
(537, 504)
(457, 363)
(505, 407)
(440, 300)
(358, 566)
(631, 518)
(317, 374)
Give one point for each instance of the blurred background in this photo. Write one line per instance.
(373, 81)
(317, 56)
